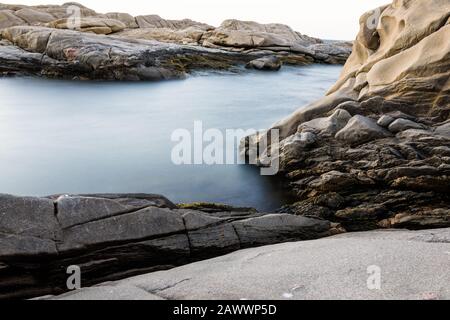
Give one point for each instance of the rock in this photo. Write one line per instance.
(431, 219)
(385, 121)
(94, 25)
(403, 124)
(249, 34)
(76, 210)
(70, 54)
(360, 130)
(27, 227)
(33, 39)
(303, 139)
(190, 35)
(443, 130)
(9, 19)
(210, 236)
(271, 63)
(303, 270)
(33, 16)
(327, 126)
(271, 229)
(114, 236)
(276, 37)
(125, 18)
(155, 21)
(333, 181)
(398, 54)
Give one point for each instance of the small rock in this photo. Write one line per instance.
(385, 121)
(360, 130)
(443, 130)
(270, 63)
(327, 126)
(400, 125)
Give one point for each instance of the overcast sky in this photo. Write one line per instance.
(327, 19)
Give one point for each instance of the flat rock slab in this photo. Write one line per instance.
(412, 264)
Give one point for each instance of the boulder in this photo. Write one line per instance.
(271, 63)
(274, 228)
(249, 34)
(360, 130)
(34, 17)
(385, 121)
(9, 19)
(29, 38)
(327, 126)
(404, 124)
(443, 130)
(125, 18)
(143, 224)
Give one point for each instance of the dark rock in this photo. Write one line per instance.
(271, 63)
(113, 236)
(404, 124)
(360, 130)
(277, 228)
(28, 226)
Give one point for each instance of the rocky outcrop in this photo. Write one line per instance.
(70, 54)
(378, 151)
(94, 25)
(241, 35)
(112, 236)
(234, 43)
(302, 271)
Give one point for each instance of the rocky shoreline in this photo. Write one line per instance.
(36, 40)
(114, 236)
(375, 151)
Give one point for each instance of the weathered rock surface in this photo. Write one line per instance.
(113, 236)
(270, 63)
(389, 164)
(251, 40)
(360, 129)
(94, 25)
(70, 54)
(412, 267)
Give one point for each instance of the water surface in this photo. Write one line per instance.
(87, 137)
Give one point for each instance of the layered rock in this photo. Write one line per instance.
(250, 39)
(70, 54)
(112, 236)
(302, 271)
(377, 154)
(242, 35)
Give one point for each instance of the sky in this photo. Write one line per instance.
(326, 19)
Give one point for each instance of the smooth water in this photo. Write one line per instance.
(97, 137)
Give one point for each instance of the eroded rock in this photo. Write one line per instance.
(113, 236)
(360, 130)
